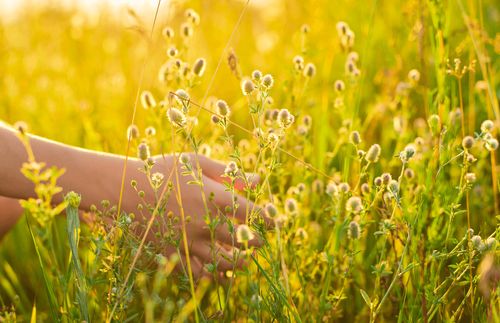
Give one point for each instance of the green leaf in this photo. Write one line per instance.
(366, 297)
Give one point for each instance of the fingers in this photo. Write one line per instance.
(223, 235)
(215, 170)
(223, 199)
(224, 259)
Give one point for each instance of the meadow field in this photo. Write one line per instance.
(365, 132)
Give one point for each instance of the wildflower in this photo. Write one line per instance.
(182, 97)
(291, 206)
(491, 144)
(373, 153)
(176, 117)
(298, 62)
(477, 243)
(143, 151)
(184, 159)
(231, 169)
(157, 179)
(172, 52)
(332, 189)
(407, 153)
(168, 33)
(386, 178)
(285, 118)
(355, 138)
(272, 138)
(354, 205)
(271, 210)
(199, 67)
(244, 234)
(344, 187)
(317, 186)
(468, 142)
(490, 243)
(301, 234)
(354, 230)
(434, 124)
(409, 173)
(132, 132)
(267, 81)
(365, 189)
(147, 100)
(470, 178)
(393, 187)
(256, 76)
(150, 131)
(342, 28)
(192, 16)
(247, 87)
(186, 30)
(223, 108)
(487, 126)
(309, 70)
(339, 86)
(414, 76)
(307, 121)
(205, 150)
(21, 126)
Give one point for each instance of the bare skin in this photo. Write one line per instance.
(97, 176)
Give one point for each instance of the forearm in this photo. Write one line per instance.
(94, 175)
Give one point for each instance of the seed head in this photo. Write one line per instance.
(192, 16)
(409, 173)
(373, 153)
(147, 100)
(386, 178)
(176, 117)
(298, 63)
(168, 33)
(244, 234)
(271, 210)
(317, 186)
(182, 97)
(342, 28)
(354, 230)
(434, 124)
(310, 70)
(285, 118)
(132, 132)
(332, 189)
(355, 138)
(378, 181)
(491, 144)
(184, 159)
(205, 150)
(143, 151)
(231, 169)
(21, 126)
(267, 81)
(468, 142)
(150, 131)
(247, 87)
(291, 206)
(186, 30)
(490, 243)
(470, 178)
(407, 153)
(477, 242)
(414, 76)
(487, 126)
(172, 52)
(307, 121)
(199, 67)
(365, 189)
(354, 205)
(305, 29)
(339, 86)
(223, 108)
(344, 187)
(393, 186)
(256, 76)
(157, 179)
